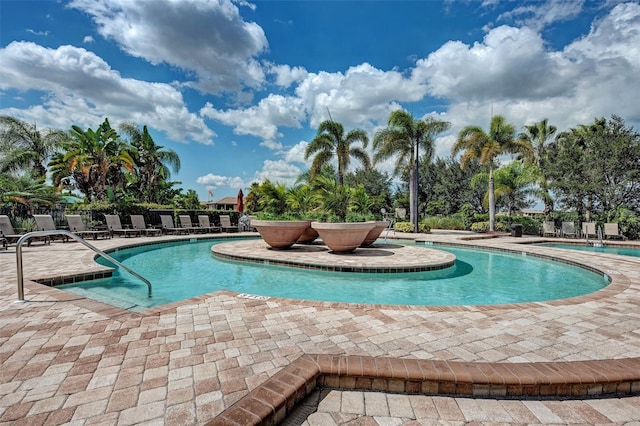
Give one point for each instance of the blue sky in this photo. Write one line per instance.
(238, 88)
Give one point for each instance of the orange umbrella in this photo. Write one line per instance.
(240, 202)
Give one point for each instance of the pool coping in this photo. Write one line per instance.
(274, 399)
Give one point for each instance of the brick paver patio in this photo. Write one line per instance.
(69, 360)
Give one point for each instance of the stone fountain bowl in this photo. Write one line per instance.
(343, 237)
(280, 234)
(373, 235)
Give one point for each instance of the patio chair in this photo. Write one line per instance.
(589, 230)
(549, 228)
(77, 226)
(225, 224)
(611, 231)
(115, 227)
(7, 233)
(169, 228)
(185, 223)
(569, 229)
(44, 222)
(205, 224)
(137, 222)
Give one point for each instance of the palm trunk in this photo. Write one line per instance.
(492, 203)
(413, 211)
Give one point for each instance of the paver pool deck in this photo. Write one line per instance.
(225, 359)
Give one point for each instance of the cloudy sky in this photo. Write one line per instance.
(238, 88)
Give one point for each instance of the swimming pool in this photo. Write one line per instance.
(180, 270)
(610, 249)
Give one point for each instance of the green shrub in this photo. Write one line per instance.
(25, 224)
(359, 217)
(408, 227)
(484, 227)
(449, 222)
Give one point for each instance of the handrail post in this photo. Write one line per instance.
(81, 240)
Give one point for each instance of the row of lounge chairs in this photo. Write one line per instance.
(589, 230)
(114, 227)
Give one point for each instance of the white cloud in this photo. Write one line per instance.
(296, 153)
(278, 172)
(261, 120)
(207, 37)
(286, 75)
(539, 15)
(87, 39)
(82, 87)
(213, 182)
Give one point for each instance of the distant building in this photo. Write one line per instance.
(226, 203)
(532, 212)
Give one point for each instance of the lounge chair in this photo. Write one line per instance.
(205, 224)
(611, 230)
(169, 228)
(137, 222)
(7, 232)
(569, 229)
(589, 230)
(115, 227)
(549, 228)
(77, 226)
(45, 222)
(185, 223)
(225, 224)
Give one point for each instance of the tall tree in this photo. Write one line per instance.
(154, 162)
(536, 139)
(513, 186)
(475, 143)
(24, 146)
(405, 137)
(94, 160)
(331, 141)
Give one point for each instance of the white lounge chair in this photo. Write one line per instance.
(611, 230)
(569, 229)
(589, 230)
(549, 228)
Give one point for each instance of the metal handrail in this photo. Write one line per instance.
(70, 234)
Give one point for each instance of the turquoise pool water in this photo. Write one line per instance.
(625, 251)
(179, 271)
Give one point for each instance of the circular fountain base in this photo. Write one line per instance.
(377, 258)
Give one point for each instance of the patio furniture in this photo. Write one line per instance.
(115, 227)
(549, 228)
(77, 226)
(204, 222)
(569, 230)
(225, 224)
(45, 222)
(137, 222)
(185, 223)
(589, 230)
(169, 228)
(7, 233)
(611, 230)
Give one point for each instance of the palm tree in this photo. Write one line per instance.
(405, 137)
(475, 143)
(93, 160)
(23, 146)
(536, 139)
(153, 161)
(331, 141)
(513, 185)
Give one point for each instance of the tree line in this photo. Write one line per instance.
(589, 172)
